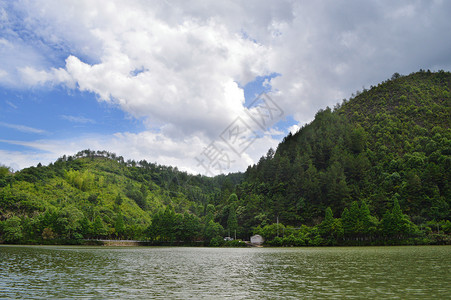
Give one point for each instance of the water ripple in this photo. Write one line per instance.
(195, 273)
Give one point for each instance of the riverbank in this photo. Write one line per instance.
(277, 242)
(129, 243)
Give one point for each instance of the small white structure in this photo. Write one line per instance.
(257, 239)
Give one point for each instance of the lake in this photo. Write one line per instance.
(238, 273)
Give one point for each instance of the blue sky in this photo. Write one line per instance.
(164, 80)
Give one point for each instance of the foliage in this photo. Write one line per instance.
(391, 141)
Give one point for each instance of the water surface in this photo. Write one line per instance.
(264, 273)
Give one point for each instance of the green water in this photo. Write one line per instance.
(216, 273)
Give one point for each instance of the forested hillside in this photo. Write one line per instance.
(96, 194)
(389, 144)
(374, 169)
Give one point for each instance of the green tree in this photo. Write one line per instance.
(369, 222)
(190, 227)
(210, 213)
(119, 226)
(330, 229)
(213, 230)
(165, 225)
(12, 230)
(67, 223)
(232, 221)
(86, 227)
(326, 227)
(4, 172)
(99, 229)
(348, 224)
(396, 224)
(233, 199)
(118, 200)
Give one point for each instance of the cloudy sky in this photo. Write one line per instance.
(177, 82)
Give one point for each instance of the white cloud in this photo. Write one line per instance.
(294, 128)
(188, 71)
(151, 146)
(23, 128)
(20, 159)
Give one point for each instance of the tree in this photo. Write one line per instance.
(232, 221)
(190, 227)
(355, 216)
(395, 75)
(119, 226)
(369, 223)
(4, 170)
(68, 221)
(326, 227)
(233, 199)
(12, 230)
(210, 213)
(99, 229)
(213, 230)
(118, 200)
(165, 225)
(48, 234)
(330, 229)
(271, 231)
(85, 227)
(396, 224)
(347, 222)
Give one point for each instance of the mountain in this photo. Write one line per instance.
(374, 168)
(392, 141)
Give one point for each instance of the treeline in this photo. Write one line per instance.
(69, 224)
(169, 227)
(357, 226)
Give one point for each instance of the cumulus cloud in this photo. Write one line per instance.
(182, 77)
(180, 67)
(331, 50)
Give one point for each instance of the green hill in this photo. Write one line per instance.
(392, 142)
(374, 169)
(98, 195)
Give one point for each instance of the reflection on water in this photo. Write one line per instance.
(265, 273)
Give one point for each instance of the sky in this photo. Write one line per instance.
(207, 86)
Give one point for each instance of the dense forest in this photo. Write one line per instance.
(375, 169)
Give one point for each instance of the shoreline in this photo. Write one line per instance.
(245, 244)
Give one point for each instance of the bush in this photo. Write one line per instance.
(234, 243)
(12, 230)
(216, 242)
(276, 242)
(291, 240)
